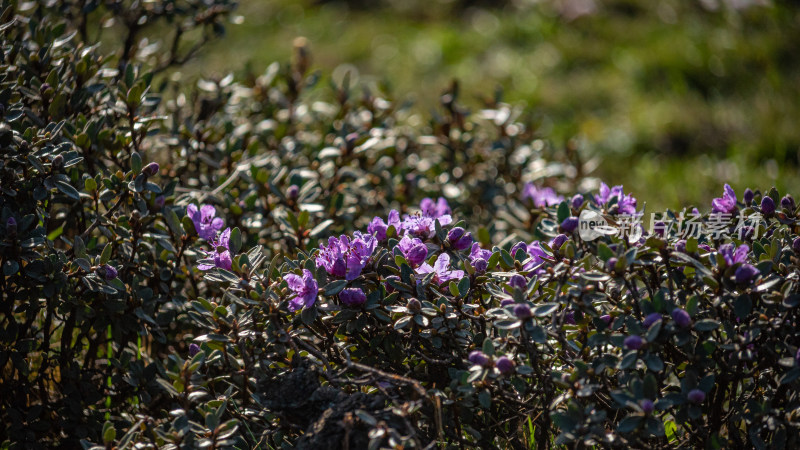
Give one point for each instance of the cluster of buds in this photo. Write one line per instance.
(504, 364)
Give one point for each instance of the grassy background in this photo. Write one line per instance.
(674, 97)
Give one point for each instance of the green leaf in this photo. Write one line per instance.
(106, 255)
(130, 75)
(453, 288)
(79, 247)
(506, 260)
(485, 399)
(317, 230)
(136, 163)
(650, 386)
(463, 287)
(691, 306)
(545, 309)
(334, 287)
(173, 222)
(493, 260)
(303, 219)
(706, 325)
(563, 211)
(308, 316)
(235, 241)
(742, 306)
(604, 251)
(68, 189)
(488, 346)
(109, 433)
(402, 322)
(790, 376)
(90, 185)
(10, 267)
(654, 363)
(629, 423)
(691, 245)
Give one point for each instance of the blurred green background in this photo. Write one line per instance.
(674, 97)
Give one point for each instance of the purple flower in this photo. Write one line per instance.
(459, 239)
(577, 201)
(681, 246)
(205, 223)
(193, 349)
(106, 272)
(745, 273)
(292, 192)
(605, 193)
(796, 245)
(424, 226)
(11, 227)
(748, 196)
(681, 317)
(734, 257)
(479, 258)
(346, 258)
(767, 205)
(518, 282)
(160, 201)
(538, 257)
(647, 406)
(651, 319)
(353, 297)
(413, 249)
(150, 169)
(441, 269)
(479, 358)
(569, 318)
(558, 241)
(394, 220)
(504, 364)
(377, 228)
(787, 202)
(626, 204)
(726, 203)
(569, 224)
(521, 245)
(522, 311)
(633, 342)
(541, 197)
(304, 288)
(436, 209)
(606, 318)
(221, 253)
(696, 396)
(506, 301)
(611, 263)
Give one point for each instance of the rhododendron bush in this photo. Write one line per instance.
(272, 264)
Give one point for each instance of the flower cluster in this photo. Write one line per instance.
(304, 289)
(207, 226)
(346, 257)
(540, 197)
(606, 197)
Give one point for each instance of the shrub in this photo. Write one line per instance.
(263, 264)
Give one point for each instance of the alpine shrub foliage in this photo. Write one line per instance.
(273, 264)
